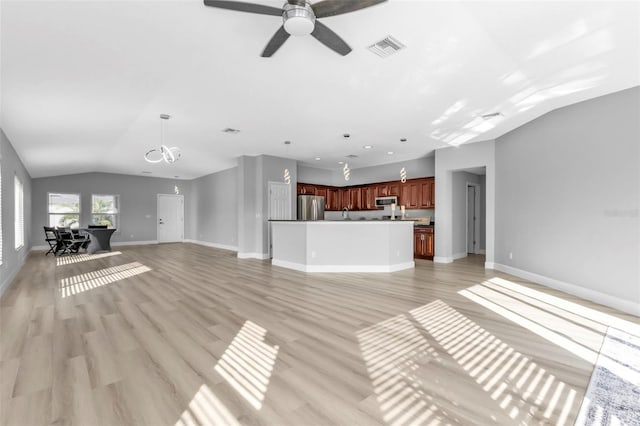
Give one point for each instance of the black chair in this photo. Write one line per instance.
(50, 238)
(80, 237)
(66, 242)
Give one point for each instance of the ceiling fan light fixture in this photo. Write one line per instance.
(298, 20)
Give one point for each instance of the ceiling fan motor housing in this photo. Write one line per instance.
(298, 20)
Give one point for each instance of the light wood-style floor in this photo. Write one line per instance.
(184, 334)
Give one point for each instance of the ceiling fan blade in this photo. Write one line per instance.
(276, 41)
(326, 8)
(241, 6)
(330, 39)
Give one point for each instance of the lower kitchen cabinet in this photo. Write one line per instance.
(423, 242)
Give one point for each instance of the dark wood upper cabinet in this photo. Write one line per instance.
(306, 189)
(321, 191)
(413, 194)
(368, 198)
(410, 195)
(427, 193)
(333, 199)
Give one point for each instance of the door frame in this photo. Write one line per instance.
(270, 184)
(476, 201)
(181, 197)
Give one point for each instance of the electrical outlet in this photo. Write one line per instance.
(510, 255)
(131, 236)
(313, 254)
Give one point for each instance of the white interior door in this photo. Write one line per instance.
(279, 204)
(170, 218)
(279, 201)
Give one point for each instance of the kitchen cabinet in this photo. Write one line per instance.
(413, 194)
(350, 198)
(410, 195)
(368, 198)
(427, 193)
(306, 189)
(333, 200)
(423, 242)
(321, 191)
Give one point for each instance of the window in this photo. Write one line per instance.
(64, 210)
(104, 209)
(19, 213)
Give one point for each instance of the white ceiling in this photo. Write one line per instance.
(84, 82)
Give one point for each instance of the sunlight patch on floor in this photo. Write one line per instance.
(568, 334)
(521, 388)
(95, 279)
(248, 362)
(583, 312)
(397, 358)
(206, 409)
(77, 258)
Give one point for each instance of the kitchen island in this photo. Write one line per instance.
(343, 246)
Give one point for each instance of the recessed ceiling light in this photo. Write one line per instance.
(367, 146)
(146, 172)
(403, 139)
(340, 162)
(317, 158)
(352, 156)
(390, 152)
(231, 130)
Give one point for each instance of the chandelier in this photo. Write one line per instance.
(167, 154)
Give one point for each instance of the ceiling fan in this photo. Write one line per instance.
(300, 18)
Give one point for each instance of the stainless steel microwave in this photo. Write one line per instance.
(386, 201)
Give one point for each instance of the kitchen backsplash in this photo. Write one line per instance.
(377, 214)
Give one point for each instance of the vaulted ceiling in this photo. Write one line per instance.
(84, 82)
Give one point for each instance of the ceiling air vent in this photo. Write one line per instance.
(352, 156)
(230, 130)
(491, 115)
(386, 46)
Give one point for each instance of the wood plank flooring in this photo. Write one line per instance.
(183, 334)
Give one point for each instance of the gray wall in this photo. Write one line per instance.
(11, 164)
(420, 167)
(567, 196)
(448, 161)
(254, 175)
(459, 197)
(214, 209)
(138, 202)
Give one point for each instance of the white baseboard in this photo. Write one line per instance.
(489, 265)
(343, 268)
(214, 245)
(8, 278)
(113, 244)
(133, 243)
(261, 256)
(481, 251)
(457, 256)
(442, 259)
(628, 306)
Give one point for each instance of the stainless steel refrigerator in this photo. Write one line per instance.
(310, 207)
